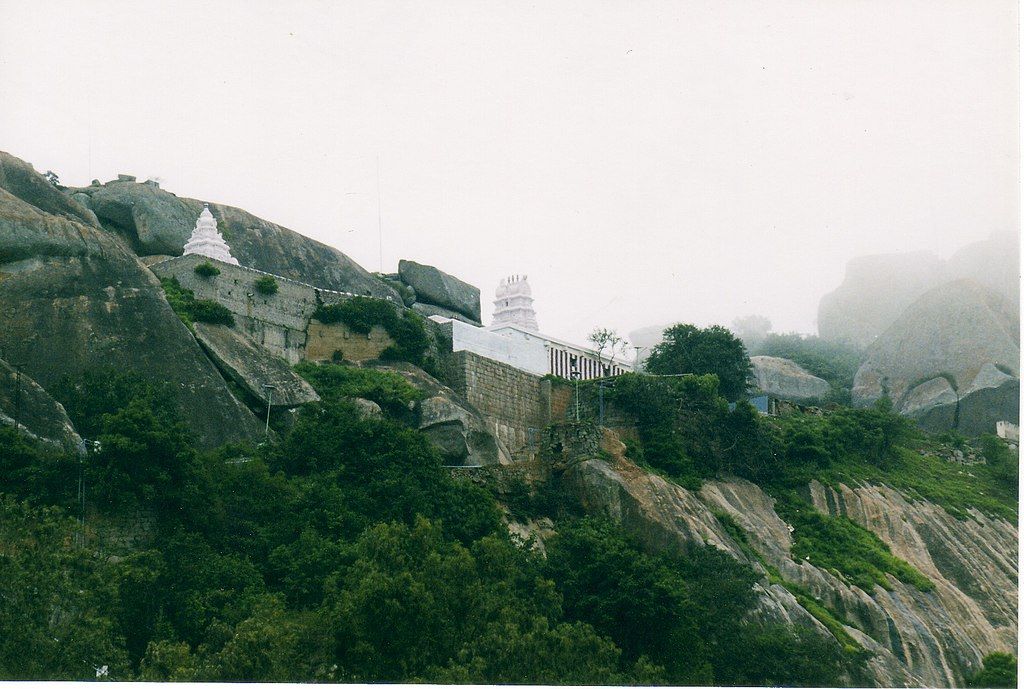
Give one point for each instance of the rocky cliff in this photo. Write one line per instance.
(154, 221)
(74, 297)
(915, 638)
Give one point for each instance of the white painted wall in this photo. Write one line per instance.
(518, 349)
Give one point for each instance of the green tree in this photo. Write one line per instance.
(1000, 670)
(689, 349)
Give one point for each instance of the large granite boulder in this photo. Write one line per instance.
(254, 368)
(785, 379)
(452, 425)
(24, 403)
(436, 287)
(155, 221)
(954, 330)
(74, 298)
(874, 292)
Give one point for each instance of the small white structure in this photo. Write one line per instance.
(206, 239)
(1008, 431)
(513, 304)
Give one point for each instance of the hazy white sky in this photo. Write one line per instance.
(642, 162)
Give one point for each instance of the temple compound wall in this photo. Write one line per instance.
(515, 404)
(280, 322)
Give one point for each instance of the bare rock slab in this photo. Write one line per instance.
(783, 378)
(254, 368)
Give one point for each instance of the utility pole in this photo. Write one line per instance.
(270, 393)
(17, 395)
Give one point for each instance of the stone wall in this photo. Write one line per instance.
(277, 321)
(323, 340)
(515, 404)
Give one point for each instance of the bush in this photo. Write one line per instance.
(190, 310)
(207, 270)
(333, 382)
(266, 285)
(1000, 670)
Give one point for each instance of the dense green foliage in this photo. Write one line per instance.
(266, 285)
(361, 314)
(689, 349)
(387, 388)
(191, 310)
(834, 362)
(1000, 670)
(206, 270)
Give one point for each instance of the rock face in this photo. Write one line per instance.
(75, 298)
(23, 400)
(441, 289)
(431, 310)
(155, 221)
(874, 293)
(451, 424)
(254, 368)
(930, 639)
(959, 329)
(787, 380)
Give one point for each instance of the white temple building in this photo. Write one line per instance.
(514, 339)
(206, 239)
(513, 304)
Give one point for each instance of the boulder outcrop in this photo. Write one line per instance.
(955, 330)
(438, 288)
(155, 221)
(23, 402)
(265, 377)
(787, 380)
(75, 298)
(916, 638)
(452, 425)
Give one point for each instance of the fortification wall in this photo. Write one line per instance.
(515, 404)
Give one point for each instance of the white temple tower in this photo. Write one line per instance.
(206, 239)
(513, 304)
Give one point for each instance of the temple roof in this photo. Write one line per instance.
(206, 239)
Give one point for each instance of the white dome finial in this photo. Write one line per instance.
(206, 239)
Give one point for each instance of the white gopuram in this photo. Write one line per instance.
(513, 304)
(206, 239)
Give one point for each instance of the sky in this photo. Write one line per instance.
(642, 162)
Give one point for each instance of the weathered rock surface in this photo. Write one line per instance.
(155, 221)
(21, 180)
(24, 401)
(254, 368)
(453, 426)
(874, 293)
(75, 298)
(917, 638)
(979, 410)
(431, 310)
(436, 287)
(785, 379)
(956, 328)
(930, 394)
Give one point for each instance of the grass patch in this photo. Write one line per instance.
(837, 543)
(954, 487)
(333, 382)
(191, 310)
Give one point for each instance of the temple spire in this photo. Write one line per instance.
(513, 304)
(206, 239)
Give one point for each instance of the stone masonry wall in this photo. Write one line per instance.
(515, 404)
(324, 339)
(276, 321)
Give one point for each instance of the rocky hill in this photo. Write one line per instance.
(75, 298)
(915, 638)
(156, 222)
